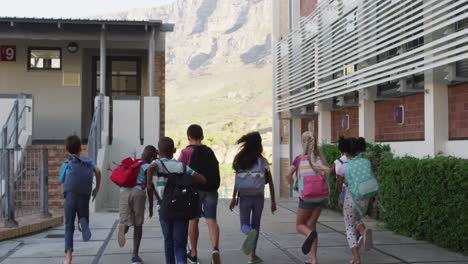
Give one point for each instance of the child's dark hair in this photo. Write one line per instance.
(354, 146)
(151, 151)
(73, 144)
(341, 144)
(195, 132)
(251, 150)
(166, 145)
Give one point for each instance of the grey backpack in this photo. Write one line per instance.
(252, 181)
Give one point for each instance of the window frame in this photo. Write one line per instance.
(59, 49)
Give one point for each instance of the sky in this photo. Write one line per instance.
(71, 8)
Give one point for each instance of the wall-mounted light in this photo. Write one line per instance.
(399, 114)
(72, 47)
(345, 122)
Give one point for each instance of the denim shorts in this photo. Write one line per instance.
(309, 205)
(208, 204)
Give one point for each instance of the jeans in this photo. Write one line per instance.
(74, 205)
(175, 239)
(250, 211)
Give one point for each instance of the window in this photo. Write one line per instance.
(44, 58)
(399, 114)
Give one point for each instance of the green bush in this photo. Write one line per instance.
(331, 153)
(426, 199)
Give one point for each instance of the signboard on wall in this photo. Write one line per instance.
(7, 53)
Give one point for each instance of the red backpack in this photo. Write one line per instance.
(125, 175)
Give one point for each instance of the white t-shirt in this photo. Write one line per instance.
(338, 165)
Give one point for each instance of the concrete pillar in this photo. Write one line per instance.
(366, 116)
(276, 149)
(435, 111)
(151, 62)
(435, 106)
(324, 124)
(102, 61)
(295, 14)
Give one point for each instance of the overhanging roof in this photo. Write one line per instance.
(80, 21)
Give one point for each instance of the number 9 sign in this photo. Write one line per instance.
(7, 53)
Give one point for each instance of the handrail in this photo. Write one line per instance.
(95, 132)
(16, 115)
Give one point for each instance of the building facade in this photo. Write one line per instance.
(103, 80)
(392, 71)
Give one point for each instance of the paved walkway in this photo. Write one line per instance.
(279, 243)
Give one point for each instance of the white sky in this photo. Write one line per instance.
(71, 8)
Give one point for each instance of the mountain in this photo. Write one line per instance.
(218, 68)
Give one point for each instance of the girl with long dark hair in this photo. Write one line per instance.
(252, 173)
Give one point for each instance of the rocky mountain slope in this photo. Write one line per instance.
(218, 68)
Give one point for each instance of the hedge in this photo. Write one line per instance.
(426, 199)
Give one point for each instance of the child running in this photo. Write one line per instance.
(132, 206)
(352, 215)
(77, 176)
(252, 173)
(175, 230)
(309, 164)
(202, 159)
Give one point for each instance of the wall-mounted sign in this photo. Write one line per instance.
(7, 53)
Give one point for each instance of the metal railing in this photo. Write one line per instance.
(24, 177)
(95, 132)
(15, 123)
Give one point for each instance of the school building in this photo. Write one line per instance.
(392, 71)
(103, 80)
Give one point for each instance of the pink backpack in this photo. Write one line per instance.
(313, 187)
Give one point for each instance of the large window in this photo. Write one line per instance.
(44, 58)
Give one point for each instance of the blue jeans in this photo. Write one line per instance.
(74, 205)
(175, 240)
(250, 211)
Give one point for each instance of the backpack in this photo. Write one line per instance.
(180, 197)
(312, 186)
(361, 181)
(126, 174)
(78, 175)
(203, 160)
(251, 182)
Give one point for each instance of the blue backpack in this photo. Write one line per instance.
(361, 181)
(77, 175)
(252, 181)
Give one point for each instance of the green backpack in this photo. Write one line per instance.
(361, 181)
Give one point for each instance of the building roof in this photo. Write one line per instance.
(81, 21)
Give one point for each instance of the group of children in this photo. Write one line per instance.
(157, 170)
(311, 163)
(198, 164)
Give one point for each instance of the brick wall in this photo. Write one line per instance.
(458, 111)
(307, 7)
(387, 129)
(337, 130)
(160, 86)
(284, 184)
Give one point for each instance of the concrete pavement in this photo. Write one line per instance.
(279, 242)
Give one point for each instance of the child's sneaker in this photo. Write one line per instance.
(137, 260)
(84, 228)
(255, 260)
(191, 260)
(215, 258)
(121, 235)
(248, 244)
(367, 239)
(307, 245)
